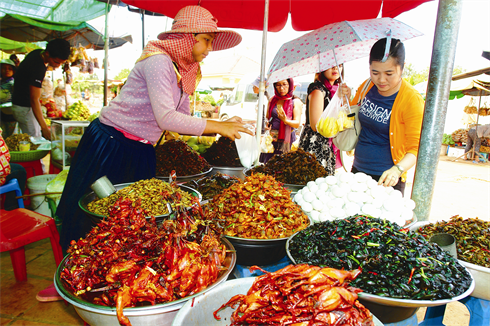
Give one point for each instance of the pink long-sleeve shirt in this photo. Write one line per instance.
(151, 102)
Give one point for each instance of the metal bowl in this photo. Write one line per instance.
(96, 218)
(159, 314)
(260, 251)
(199, 311)
(229, 170)
(480, 274)
(185, 178)
(289, 186)
(393, 310)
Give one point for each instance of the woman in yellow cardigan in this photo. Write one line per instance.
(391, 118)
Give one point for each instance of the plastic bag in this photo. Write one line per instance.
(56, 185)
(347, 139)
(266, 143)
(247, 148)
(334, 118)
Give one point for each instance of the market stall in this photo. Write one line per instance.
(476, 88)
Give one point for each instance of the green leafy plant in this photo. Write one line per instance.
(210, 100)
(447, 139)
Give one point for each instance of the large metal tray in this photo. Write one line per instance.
(480, 274)
(159, 314)
(91, 196)
(199, 311)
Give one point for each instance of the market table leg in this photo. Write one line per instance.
(479, 311)
(434, 316)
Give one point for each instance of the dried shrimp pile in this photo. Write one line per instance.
(129, 261)
(150, 193)
(472, 237)
(297, 167)
(176, 155)
(13, 141)
(300, 295)
(258, 208)
(223, 152)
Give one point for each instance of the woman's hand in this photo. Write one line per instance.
(268, 126)
(230, 128)
(345, 90)
(235, 119)
(280, 113)
(390, 177)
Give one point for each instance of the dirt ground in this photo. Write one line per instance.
(461, 188)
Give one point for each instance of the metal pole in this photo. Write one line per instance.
(441, 69)
(476, 128)
(106, 51)
(143, 29)
(260, 110)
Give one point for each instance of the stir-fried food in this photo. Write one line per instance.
(152, 194)
(14, 140)
(128, 261)
(209, 187)
(176, 155)
(297, 167)
(396, 262)
(223, 152)
(472, 237)
(258, 208)
(300, 295)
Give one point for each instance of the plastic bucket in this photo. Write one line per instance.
(37, 185)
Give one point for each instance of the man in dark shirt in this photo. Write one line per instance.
(29, 77)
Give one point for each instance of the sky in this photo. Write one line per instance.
(474, 37)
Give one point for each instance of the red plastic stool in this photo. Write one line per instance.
(33, 168)
(20, 227)
(53, 169)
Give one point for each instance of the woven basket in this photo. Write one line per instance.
(28, 156)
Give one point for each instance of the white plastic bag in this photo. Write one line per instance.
(247, 148)
(347, 139)
(334, 118)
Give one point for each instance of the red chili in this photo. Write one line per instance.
(411, 274)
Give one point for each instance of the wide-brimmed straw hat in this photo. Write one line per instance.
(196, 19)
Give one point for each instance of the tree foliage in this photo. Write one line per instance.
(414, 77)
(86, 81)
(122, 74)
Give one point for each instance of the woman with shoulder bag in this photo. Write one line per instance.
(391, 118)
(320, 92)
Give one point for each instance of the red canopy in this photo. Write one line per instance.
(305, 14)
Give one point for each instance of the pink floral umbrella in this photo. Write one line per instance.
(334, 44)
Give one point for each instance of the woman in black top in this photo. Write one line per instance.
(320, 92)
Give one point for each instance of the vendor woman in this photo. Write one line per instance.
(119, 144)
